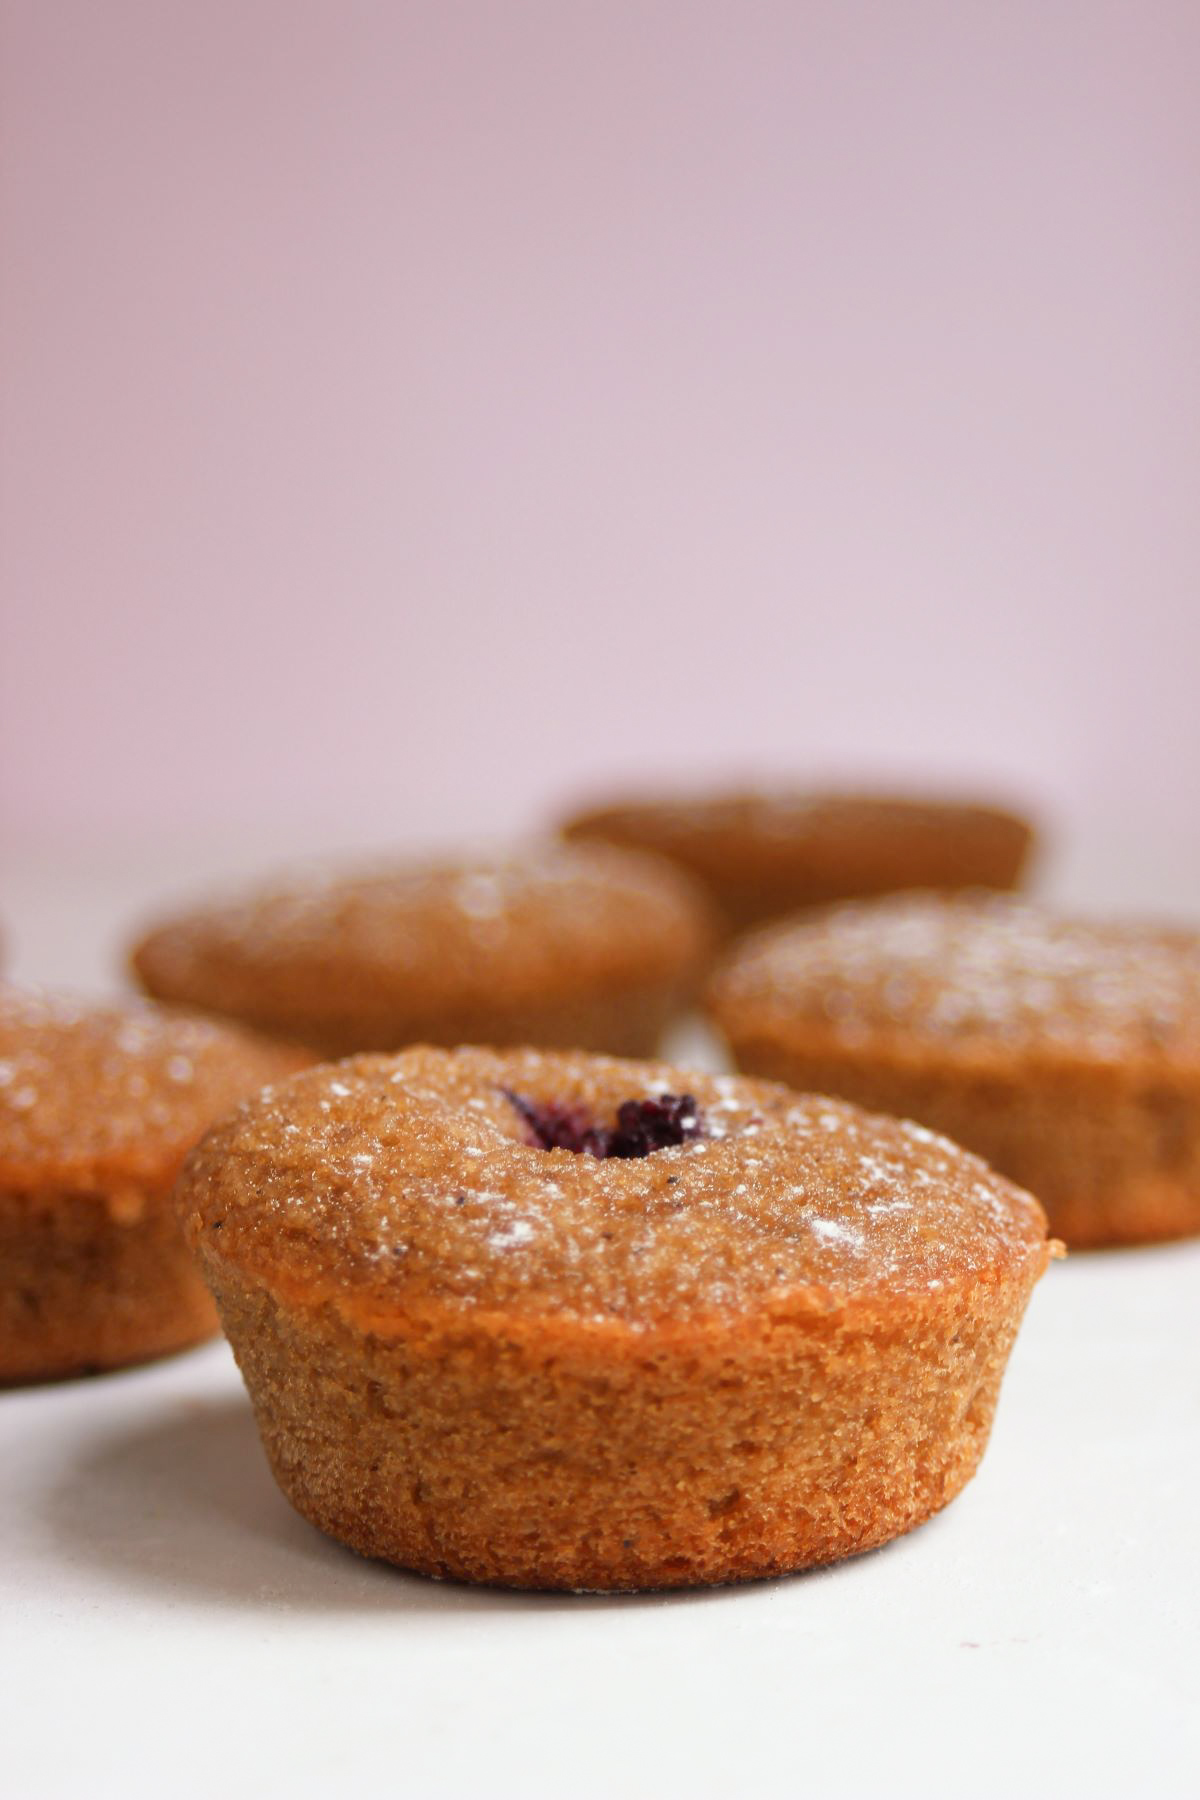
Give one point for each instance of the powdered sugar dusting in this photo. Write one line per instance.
(387, 954)
(427, 1152)
(983, 969)
(82, 1085)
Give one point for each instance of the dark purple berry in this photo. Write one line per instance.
(642, 1127)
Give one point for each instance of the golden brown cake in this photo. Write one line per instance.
(586, 946)
(1065, 1052)
(765, 854)
(98, 1106)
(559, 1321)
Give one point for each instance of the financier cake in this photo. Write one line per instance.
(1066, 1052)
(586, 946)
(765, 854)
(557, 1321)
(98, 1106)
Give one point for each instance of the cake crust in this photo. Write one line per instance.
(98, 1107)
(586, 945)
(767, 853)
(764, 1348)
(1065, 1051)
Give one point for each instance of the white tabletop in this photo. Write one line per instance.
(170, 1627)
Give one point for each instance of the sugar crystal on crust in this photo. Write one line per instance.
(987, 970)
(395, 1182)
(380, 956)
(87, 1088)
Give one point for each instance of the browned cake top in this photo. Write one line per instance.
(771, 834)
(91, 1093)
(974, 975)
(392, 1182)
(413, 941)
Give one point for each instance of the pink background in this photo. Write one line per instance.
(415, 412)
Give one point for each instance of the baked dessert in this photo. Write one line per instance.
(586, 946)
(1066, 1052)
(765, 854)
(559, 1321)
(98, 1106)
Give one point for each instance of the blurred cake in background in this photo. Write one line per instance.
(1066, 1052)
(98, 1107)
(582, 946)
(767, 853)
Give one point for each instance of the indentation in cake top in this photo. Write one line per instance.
(400, 1179)
(641, 1128)
(987, 967)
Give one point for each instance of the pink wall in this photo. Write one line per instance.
(412, 411)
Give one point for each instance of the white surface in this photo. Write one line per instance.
(170, 1627)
